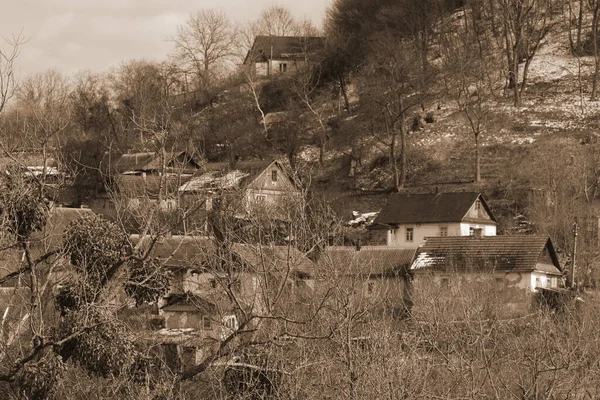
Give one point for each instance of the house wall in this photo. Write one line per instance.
(271, 193)
(507, 294)
(188, 319)
(397, 237)
(488, 229)
(273, 67)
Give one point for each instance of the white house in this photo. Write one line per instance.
(280, 55)
(523, 262)
(408, 219)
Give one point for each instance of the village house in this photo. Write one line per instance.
(145, 177)
(408, 219)
(210, 284)
(375, 275)
(515, 267)
(251, 186)
(279, 55)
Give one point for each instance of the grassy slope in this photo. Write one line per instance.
(556, 112)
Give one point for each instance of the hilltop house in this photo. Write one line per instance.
(513, 266)
(408, 219)
(277, 55)
(250, 185)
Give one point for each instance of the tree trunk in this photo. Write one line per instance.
(477, 159)
(402, 153)
(594, 94)
(579, 45)
(344, 93)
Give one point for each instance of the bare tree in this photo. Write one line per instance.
(206, 46)
(8, 56)
(525, 25)
(393, 86)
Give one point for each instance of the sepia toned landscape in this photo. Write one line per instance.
(402, 202)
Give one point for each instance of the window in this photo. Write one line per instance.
(206, 322)
(477, 205)
(370, 288)
(443, 231)
(477, 232)
(274, 176)
(282, 67)
(445, 283)
(230, 322)
(212, 283)
(409, 234)
(260, 199)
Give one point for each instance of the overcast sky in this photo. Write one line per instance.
(73, 35)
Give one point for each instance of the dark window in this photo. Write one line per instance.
(445, 283)
(213, 283)
(274, 176)
(409, 234)
(443, 231)
(282, 67)
(206, 323)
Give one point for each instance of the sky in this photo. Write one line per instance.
(96, 35)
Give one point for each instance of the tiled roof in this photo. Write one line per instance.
(284, 47)
(58, 220)
(428, 208)
(194, 252)
(275, 259)
(181, 251)
(503, 253)
(369, 260)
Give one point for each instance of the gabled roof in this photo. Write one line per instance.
(369, 260)
(497, 253)
(275, 259)
(187, 302)
(180, 251)
(152, 161)
(429, 208)
(223, 175)
(195, 252)
(57, 223)
(283, 47)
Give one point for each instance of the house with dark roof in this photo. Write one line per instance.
(144, 178)
(251, 185)
(376, 275)
(523, 262)
(207, 276)
(279, 55)
(408, 219)
(214, 286)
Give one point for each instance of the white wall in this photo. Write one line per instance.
(397, 237)
(539, 279)
(488, 229)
